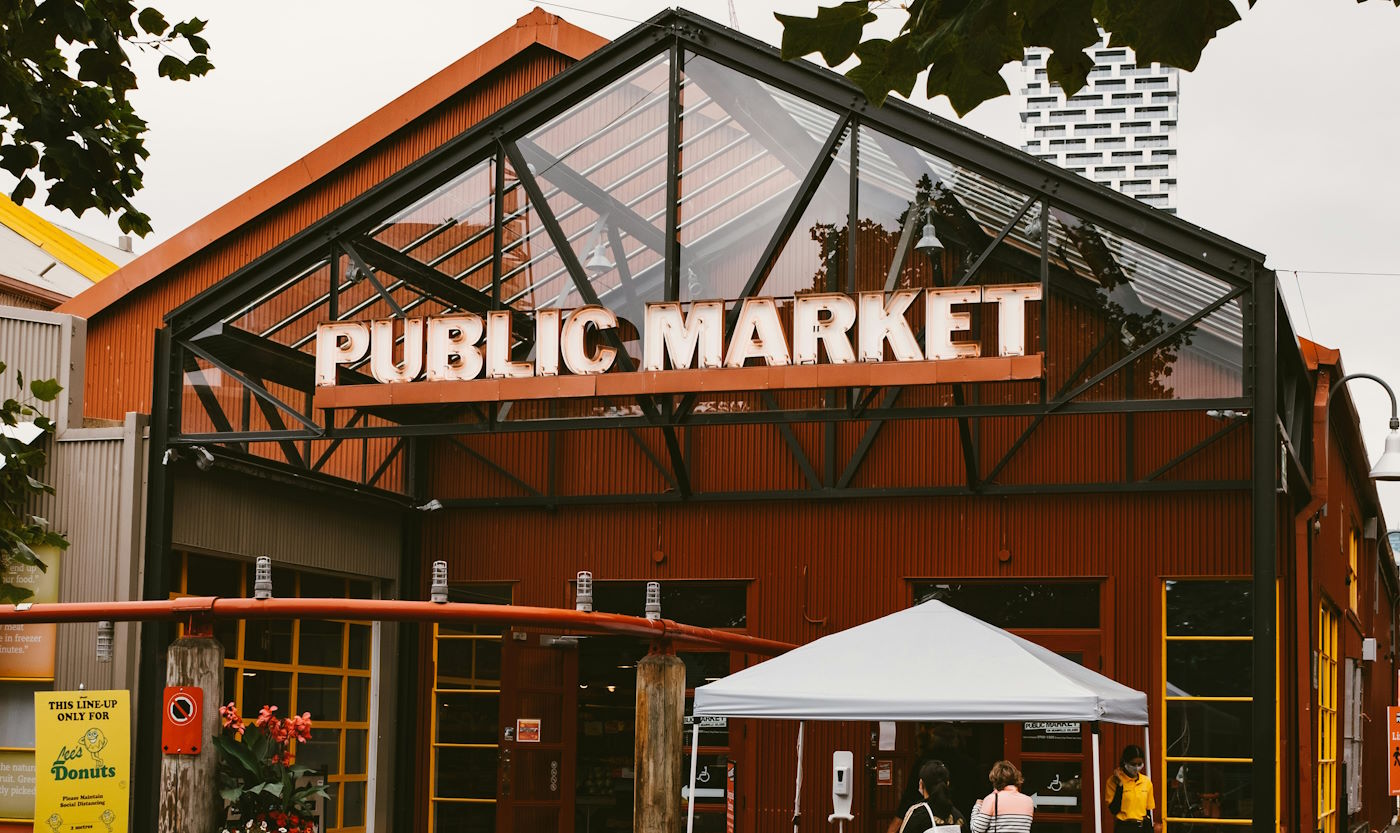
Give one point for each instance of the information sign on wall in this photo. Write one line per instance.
(16, 785)
(82, 760)
(1392, 751)
(27, 651)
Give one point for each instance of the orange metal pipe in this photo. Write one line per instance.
(388, 610)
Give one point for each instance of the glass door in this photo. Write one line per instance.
(1054, 756)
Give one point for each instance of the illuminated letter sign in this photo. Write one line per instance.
(684, 342)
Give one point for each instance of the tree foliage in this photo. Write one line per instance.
(65, 113)
(23, 533)
(963, 44)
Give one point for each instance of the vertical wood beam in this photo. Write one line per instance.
(189, 784)
(660, 712)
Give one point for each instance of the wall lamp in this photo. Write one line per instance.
(1388, 466)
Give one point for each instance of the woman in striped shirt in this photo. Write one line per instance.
(1005, 810)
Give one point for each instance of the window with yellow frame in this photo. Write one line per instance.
(1353, 585)
(1326, 683)
(301, 666)
(1207, 655)
(466, 711)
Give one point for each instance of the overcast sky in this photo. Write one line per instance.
(1288, 131)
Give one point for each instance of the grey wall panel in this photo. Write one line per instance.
(44, 345)
(221, 512)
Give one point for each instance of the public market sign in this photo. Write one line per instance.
(468, 357)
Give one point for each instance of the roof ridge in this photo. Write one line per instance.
(55, 241)
(536, 27)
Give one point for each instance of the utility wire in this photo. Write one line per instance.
(1339, 272)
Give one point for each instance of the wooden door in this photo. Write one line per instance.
(1054, 756)
(539, 693)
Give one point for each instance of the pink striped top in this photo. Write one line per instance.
(1004, 811)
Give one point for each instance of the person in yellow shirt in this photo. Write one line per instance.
(1129, 794)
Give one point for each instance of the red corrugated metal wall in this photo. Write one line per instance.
(120, 341)
(861, 554)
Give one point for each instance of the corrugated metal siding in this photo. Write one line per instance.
(87, 507)
(245, 517)
(120, 341)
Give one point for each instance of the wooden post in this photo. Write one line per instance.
(659, 745)
(189, 784)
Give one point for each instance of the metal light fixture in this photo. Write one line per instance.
(1035, 229)
(437, 593)
(583, 592)
(929, 242)
(262, 578)
(104, 640)
(599, 263)
(653, 603)
(1388, 466)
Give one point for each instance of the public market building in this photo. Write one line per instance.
(670, 309)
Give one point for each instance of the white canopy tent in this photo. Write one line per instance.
(895, 668)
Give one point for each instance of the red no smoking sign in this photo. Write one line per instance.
(181, 724)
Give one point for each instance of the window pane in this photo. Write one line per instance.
(711, 776)
(320, 643)
(321, 586)
(332, 805)
(465, 773)
(467, 718)
(1209, 669)
(267, 641)
(745, 147)
(1208, 730)
(353, 814)
(704, 666)
(694, 603)
(322, 752)
(1055, 785)
(266, 688)
(356, 699)
(814, 257)
(1114, 290)
(452, 817)
(1006, 605)
(320, 695)
(1210, 608)
(449, 230)
(356, 751)
(359, 646)
(1210, 791)
(213, 576)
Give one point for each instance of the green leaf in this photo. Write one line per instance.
(1172, 32)
(24, 189)
(152, 21)
(885, 67)
(834, 32)
(45, 390)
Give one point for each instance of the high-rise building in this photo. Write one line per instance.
(1119, 130)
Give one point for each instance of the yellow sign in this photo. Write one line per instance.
(27, 651)
(82, 760)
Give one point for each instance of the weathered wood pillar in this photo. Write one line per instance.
(659, 745)
(189, 784)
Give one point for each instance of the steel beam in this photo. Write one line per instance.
(1264, 532)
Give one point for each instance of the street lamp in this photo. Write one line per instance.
(1388, 466)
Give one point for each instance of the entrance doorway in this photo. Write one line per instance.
(1053, 756)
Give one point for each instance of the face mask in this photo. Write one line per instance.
(1131, 769)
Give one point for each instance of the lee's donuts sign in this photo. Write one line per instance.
(681, 345)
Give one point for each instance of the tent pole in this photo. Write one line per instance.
(1098, 783)
(797, 786)
(694, 759)
(1147, 748)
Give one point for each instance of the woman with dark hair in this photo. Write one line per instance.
(1005, 810)
(1129, 794)
(936, 810)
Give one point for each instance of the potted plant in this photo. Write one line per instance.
(258, 774)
